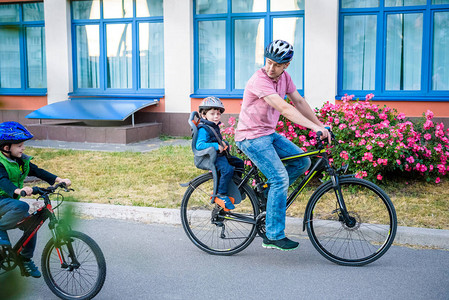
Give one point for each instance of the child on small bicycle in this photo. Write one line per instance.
(209, 135)
(15, 166)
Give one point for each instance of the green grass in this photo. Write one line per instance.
(153, 178)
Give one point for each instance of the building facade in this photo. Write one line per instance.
(180, 51)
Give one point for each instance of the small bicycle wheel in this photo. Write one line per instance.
(362, 242)
(78, 277)
(212, 229)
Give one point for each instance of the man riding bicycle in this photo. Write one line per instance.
(263, 103)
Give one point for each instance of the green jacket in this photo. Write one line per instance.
(16, 173)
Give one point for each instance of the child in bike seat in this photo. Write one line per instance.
(15, 166)
(209, 135)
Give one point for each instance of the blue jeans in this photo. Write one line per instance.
(266, 152)
(11, 212)
(226, 167)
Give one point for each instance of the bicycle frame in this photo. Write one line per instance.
(322, 164)
(32, 223)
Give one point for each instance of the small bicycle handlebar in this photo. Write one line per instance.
(48, 190)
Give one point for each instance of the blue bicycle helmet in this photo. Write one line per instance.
(279, 51)
(13, 133)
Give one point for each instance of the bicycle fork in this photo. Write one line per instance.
(58, 235)
(344, 216)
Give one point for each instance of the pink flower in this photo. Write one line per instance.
(231, 121)
(369, 147)
(369, 96)
(428, 124)
(379, 177)
(429, 114)
(344, 155)
(427, 136)
(410, 159)
(398, 161)
(437, 180)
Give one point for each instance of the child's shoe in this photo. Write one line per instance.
(4, 240)
(227, 203)
(31, 269)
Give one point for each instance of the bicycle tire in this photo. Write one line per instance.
(79, 283)
(206, 224)
(361, 244)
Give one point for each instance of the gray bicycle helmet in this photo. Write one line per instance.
(211, 102)
(280, 51)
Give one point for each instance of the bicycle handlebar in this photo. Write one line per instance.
(48, 190)
(322, 142)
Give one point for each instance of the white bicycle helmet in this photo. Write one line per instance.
(279, 51)
(211, 102)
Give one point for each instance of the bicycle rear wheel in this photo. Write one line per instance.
(83, 275)
(212, 229)
(355, 245)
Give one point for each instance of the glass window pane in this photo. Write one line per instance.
(33, 11)
(88, 56)
(149, 8)
(249, 48)
(119, 56)
(404, 2)
(212, 54)
(36, 61)
(86, 9)
(440, 1)
(245, 6)
(151, 53)
(284, 5)
(9, 12)
(292, 31)
(403, 52)
(359, 52)
(10, 57)
(211, 7)
(440, 68)
(117, 9)
(359, 3)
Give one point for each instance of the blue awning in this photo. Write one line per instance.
(91, 109)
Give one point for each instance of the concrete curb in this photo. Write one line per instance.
(435, 238)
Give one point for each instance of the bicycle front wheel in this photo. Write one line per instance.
(362, 242)
(75, 269)
(212, 229)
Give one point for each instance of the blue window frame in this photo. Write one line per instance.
(118, 47)
(23, 68)
(396, 49)
(230, 37)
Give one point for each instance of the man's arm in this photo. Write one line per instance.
(303, 107)
(295, 115)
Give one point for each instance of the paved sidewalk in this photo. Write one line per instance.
(143, 146)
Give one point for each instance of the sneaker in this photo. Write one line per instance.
(284, 244)
(31, 269)
(227, 203)
(4, 240)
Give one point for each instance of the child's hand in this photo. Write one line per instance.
(28, 190)
(65, 180)
(220, 148)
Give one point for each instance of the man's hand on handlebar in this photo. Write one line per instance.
(325, 134)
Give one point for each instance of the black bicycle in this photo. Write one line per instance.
(350, 221)
(73, 265)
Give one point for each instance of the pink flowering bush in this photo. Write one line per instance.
(374, 141)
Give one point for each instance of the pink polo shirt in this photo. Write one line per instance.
(257, 118)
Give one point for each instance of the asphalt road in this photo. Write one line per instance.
(147, 261)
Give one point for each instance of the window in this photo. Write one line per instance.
(23, 68)
(118, 47)
(230, 37)
(396, 49)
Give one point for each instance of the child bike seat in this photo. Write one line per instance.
(205, 160)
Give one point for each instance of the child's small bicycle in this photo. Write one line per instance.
(73, 265)
(350, 221)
